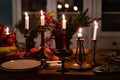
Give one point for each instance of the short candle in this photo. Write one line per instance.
(80, 32)
(63, 22)
(7, 31)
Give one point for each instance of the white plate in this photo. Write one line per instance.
(50, 62)
(107, 69)
(117, 58)
(20, 65)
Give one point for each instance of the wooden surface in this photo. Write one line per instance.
(52, 74)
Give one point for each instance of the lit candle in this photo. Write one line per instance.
(42, 18)
(26, 21)
(63, 22)
(80, 32)
(95, 30)
(7, 31)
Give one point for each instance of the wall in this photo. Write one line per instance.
(6, 12)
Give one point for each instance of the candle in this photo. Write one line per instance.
(95, 30)
(80, 32)
(26, 21)
(7, 31)
(42, 18)
(63, 22)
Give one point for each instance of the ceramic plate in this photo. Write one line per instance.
(107, 69)
(50, 62)
(20, 65)
(117, 58)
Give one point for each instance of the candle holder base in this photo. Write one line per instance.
(27, 55)
(27, 35)
(63, 70)
(84, 66)
(94, 53)
(95, 64)
(62, 54)
(40, 54)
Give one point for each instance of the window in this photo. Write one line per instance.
(110, 15)
(33, 7)
(6, 12)
(69, 7)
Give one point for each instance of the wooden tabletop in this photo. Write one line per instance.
(48, 73)
(52, 74)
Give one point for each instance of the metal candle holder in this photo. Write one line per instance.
(62, 53)
(94, 52)
(41, 54)
(27, 35)
(80, 53)
(64, 39)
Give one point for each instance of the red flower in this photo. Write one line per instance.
(6, 40)
(39, 25)
(1, 29)
(55, 26)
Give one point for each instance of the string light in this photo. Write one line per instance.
(59, 6)
(67, 5)
(75, 8)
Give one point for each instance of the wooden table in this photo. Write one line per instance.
(52, 74)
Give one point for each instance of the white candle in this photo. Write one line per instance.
(7, 31)
(26, 21)
(42, 18)
(95, 30)
(63, 22)
(80, 32)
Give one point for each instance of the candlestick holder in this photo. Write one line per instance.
(27, 35)
(41, 54)
(80, 57)
(64, 40)
(62, 54)
(94, 52)
(80, 53)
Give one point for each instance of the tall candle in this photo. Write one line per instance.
(26, 21)
(95, 30)
(42, 18)
(7, 31)
(80, 32)
(63, 22)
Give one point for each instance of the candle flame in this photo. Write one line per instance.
(96, 24)
(7, 31)
(63, 16)
(80, 30)
(26, 14)
(41, 12)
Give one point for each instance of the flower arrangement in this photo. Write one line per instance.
(54, 26)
